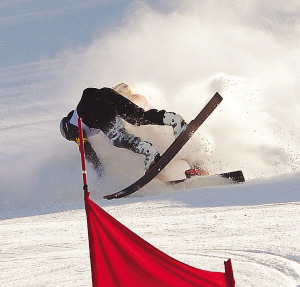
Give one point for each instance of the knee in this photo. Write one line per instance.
(127, 141)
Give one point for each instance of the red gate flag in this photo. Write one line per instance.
(120, 258)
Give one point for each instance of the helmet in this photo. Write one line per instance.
(124, 90)
(64, 127)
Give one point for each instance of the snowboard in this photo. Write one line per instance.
(171, 152)
(234, 177)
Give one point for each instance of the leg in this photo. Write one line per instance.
(116, 132)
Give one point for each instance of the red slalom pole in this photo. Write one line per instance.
(81, 146)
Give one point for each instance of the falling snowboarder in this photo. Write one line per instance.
(101, 110)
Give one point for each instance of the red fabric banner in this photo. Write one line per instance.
(121, 258)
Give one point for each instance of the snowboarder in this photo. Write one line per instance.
(101, 110)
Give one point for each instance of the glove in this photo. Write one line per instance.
(176, 121)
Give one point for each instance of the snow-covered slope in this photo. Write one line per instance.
(177, 55)
(254, 224)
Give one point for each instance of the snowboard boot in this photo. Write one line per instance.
(176, 121)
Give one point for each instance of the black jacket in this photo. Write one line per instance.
(98, 107)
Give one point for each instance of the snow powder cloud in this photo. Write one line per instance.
(178, 58)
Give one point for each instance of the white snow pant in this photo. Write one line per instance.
(119, 137)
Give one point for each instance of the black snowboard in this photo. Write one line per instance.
(170, 153)
(235, 176)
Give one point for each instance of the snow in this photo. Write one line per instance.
(201, 227)
(177, 55)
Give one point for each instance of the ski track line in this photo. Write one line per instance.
(268, 262)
